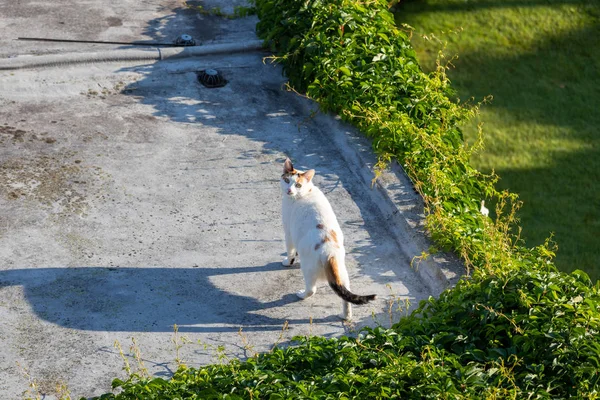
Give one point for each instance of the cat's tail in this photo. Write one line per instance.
(337, 284)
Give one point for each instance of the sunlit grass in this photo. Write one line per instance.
(540, 60)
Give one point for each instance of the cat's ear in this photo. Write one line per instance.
(288, 166)
(308, 175)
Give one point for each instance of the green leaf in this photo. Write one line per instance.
(345, 70)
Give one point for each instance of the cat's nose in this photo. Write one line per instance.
(289, 191)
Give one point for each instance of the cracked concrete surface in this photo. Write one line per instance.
(133, 199)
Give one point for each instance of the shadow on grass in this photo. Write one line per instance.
(548, 98)
(556, 84)
(461, 5)
(556, 87)
(562, 199)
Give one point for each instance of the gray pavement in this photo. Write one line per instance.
(133, 198)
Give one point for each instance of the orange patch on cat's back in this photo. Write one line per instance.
(330, 237)
(334, 237)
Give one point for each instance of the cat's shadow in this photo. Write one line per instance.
(154, 299)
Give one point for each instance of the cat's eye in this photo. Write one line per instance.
(298, 185)
(286, 180)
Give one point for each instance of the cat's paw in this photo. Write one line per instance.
(304, 295)
(288, 262)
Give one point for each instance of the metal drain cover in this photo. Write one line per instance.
(185, 40)
(211, 78)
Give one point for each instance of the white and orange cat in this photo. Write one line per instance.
(313, 235)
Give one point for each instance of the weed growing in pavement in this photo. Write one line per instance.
(141, 371)
(248, 348)
(35, 392)
(32, 391)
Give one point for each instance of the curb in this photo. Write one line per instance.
(153, 54)
(400, 206)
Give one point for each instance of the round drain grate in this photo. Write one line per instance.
(185, 40)
(211, 78)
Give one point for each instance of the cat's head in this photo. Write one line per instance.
(294, 183)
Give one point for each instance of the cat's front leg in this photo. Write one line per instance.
(292, 255)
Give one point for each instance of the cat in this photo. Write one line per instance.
(313, 235)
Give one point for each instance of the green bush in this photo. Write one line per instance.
(515, 328)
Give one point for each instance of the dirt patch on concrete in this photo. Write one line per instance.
(61, 183)
(10, 133)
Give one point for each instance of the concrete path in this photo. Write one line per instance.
(133, 198)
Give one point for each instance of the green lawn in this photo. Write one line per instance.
(540, 60)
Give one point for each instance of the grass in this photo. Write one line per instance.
(540, 60)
